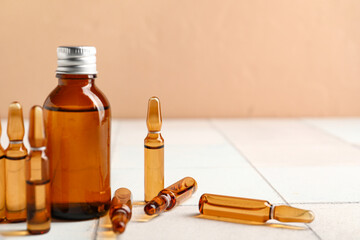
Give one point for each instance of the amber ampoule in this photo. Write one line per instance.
(37, 176)
(171, 196)
(121, 209)
(154, 151)
(77, 119)
(251, 209)
(15, 156)
(2, 182)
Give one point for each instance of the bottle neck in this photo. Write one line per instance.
(75, 79)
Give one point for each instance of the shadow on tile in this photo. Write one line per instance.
(14, 233)
(224, 219)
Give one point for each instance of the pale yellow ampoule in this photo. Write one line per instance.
(15, 155)
(171, 196)
(2, 182)
(154, 151)
(251, 209)
(37, 176)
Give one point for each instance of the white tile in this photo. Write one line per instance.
(315, 184)
(182, 223)
(347, 129)
(133, 179)
(241, 182)
(193, 156)
(131, 132)
(271, 132)
(114, 132)
(191, 132)
(184, 132)
(335, 221)
(180, 156)
(130, 156)
(59, 230)
(300, 155)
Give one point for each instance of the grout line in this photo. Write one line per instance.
(325, 132)
(176, 168)
(246, 159)
(330, 203)
(253, 166)
(96, 228)
(290, 203)
(315, 233)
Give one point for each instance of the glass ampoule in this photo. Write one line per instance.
(15, 156)
(2, 182)
(77, 117)
(153, 151)
(251, 209)
(171, 196)
(37, 176)
(121, 209)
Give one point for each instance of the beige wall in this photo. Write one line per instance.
(203, 58)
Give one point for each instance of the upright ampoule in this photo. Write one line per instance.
(77, 119)
(251, 209)
(37, 176)
(171, 196)
(2, 182)
(121, 209)
(15, 156)
(154, 151)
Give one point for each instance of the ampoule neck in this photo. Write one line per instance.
(37, 150)
(167, 199)
(154, 135)
(16, 143)
(158, 204)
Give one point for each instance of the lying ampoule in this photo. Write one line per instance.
(121, 209)
(2, 182)
(37, 176)
(15, 156)
(154, 151)
(251, 209)
(171, 196)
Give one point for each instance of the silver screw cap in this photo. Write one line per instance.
(76, 60)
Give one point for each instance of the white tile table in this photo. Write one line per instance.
(309, 163)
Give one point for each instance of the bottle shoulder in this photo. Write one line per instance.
(76, 98)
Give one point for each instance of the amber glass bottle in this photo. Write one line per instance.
(77, 117)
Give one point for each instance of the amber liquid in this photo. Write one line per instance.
(15, 190)
(121, 210)
(172, 196)
(38, 206)
(15, 197)
(252, 210)
(153, 165)
(233, 207)
(78, 150)
(2, 188)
